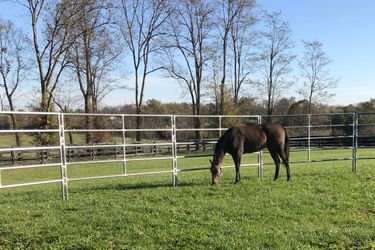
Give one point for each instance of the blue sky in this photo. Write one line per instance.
(345, 27)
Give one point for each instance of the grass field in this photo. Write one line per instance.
(324, 206)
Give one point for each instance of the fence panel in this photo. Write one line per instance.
(365, 138)
(199, 135)
(39, 153)
(72, 142)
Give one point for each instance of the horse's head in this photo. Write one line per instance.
(216, 171)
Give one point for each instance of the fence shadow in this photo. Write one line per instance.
(137, 186)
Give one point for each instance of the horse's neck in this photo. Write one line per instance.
(219, 154)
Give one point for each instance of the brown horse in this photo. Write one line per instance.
(244, 139)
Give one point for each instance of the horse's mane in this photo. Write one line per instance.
(220, 145)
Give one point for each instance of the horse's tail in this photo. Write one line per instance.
(286, 144)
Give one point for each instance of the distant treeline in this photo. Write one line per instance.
(246, 106)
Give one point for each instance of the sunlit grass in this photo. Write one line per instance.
(324, 206)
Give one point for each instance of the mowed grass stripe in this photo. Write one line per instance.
(323, 206)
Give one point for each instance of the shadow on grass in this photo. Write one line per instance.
(180, 184)
(135, 186)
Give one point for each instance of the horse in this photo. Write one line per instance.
(251, 138)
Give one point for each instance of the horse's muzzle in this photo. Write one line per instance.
(215, 180)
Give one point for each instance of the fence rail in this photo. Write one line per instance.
(179, 139)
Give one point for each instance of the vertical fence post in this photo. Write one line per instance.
(309, 138)
(123, 146)
(174, 151)
(220, 121)
(260, 156)
(63, 168)
(355, 142)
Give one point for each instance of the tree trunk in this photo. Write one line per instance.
(222, 84)
(310, 99)
(197, 125)
(12, 116)
(44, 105)
(270, 87)
(89, 121)
(14, 126)
(139, 123)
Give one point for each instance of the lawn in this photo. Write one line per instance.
(324, 206)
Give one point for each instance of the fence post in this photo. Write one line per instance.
(63, 169)
(260, 156)
(123, 146)
(309, 138)
(355, 142)
(174, 151)
(220, 126)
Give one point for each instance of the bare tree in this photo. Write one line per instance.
(51, 23)
(141, 25)
(231, 14)
(242, 40)
(314, 69)
(66, 98)
(93, 54)
(13, 65)
(275, 57)
(191, 25)
(214, 69)
(213, 90)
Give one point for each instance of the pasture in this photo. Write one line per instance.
(324, 206)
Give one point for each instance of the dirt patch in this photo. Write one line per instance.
(364, 213)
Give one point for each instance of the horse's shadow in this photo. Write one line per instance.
(142, 186)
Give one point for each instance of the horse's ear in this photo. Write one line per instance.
(211, 162)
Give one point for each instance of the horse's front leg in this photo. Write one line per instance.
(237, 164)
(238, 177)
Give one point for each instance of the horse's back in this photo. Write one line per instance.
(247, 138)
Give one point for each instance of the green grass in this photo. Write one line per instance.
(324, 206)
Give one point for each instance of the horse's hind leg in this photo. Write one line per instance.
(285, 159)
(276, 159)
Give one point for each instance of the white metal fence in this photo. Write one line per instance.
(176, 136)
